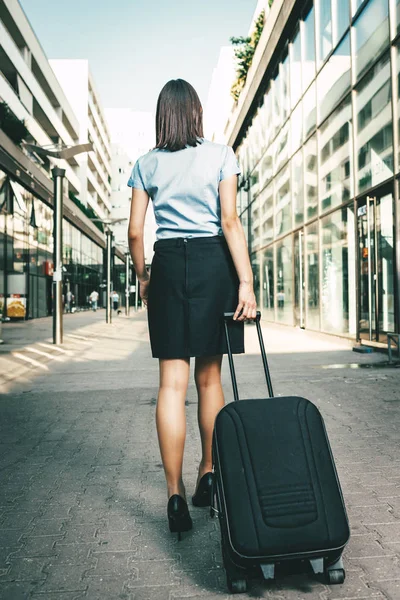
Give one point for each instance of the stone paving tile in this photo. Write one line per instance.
(82, 491)
(15, 591)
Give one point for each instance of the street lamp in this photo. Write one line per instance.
(107, 222)
(58, 179)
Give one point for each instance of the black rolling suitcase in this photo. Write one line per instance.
(276, 491)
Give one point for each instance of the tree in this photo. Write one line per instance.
(244, 52)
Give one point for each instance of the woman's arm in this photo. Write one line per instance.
(139, 204)
(234, 235)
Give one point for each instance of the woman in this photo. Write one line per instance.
(200, 269)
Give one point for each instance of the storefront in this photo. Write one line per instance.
(26, 255)
(320, 166)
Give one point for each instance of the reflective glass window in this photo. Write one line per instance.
(283, 208)
(308, 48)
(312, 261)
(398, 16)
(338, 272)
(374, 127)
(310, 178)
(255, 237)
(324, 42)
(255, 266)
(254, 183)
(295, 69)
(276, 105)
(296, 127)
(310, 110)
(245, 222)
(281, 148)
(267, 215)
(334, 80)
(335, 172)
(371, 34)
(266, 167)
(355, 5)
(398, 88)
(268, 131)
(341, 11)
(285, 98)
(267, 280)
(298, 188)
(284, 283)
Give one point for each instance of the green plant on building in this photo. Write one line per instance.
(244, 52)
(13, 127)
(87, 210)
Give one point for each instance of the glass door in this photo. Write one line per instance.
(376, 267)
(299, 282)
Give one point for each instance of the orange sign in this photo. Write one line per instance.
(48, 267)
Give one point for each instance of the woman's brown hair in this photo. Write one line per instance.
(179, 117)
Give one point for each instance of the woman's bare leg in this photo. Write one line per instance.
(171, 420)
(211, 400)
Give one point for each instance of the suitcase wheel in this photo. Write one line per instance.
(236, 586)
(335, 573)
(335, 576)
(236, 583)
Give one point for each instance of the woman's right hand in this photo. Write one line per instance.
(247, 303)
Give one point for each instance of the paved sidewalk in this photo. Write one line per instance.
(82, 494)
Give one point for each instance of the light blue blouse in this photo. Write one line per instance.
(183, 186)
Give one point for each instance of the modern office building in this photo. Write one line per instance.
(316, 130)
(132, 135)
(78, 85)
(34, 108)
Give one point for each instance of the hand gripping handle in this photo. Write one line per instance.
(228, 316)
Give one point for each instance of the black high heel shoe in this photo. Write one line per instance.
(179, 519)
(202, 496)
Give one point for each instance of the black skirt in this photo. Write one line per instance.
(193, 282)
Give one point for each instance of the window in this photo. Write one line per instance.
(283, 208)
(335, 158)
(284, 284)
(374, 127)
(311, 246)
(297, 188)
(341, 22)
(334, 81)
(295, 69)
(296, 127)
(324, 42)
(267, 215)
(281, 148)
(285, 98)
(268, 278)
(308, 49)
(338, 272)
(371, 34)
(310, 177)
(310, 110)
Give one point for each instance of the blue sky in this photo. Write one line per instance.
(135, 46)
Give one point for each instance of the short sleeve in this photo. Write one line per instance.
(230, 164)
(136, 179)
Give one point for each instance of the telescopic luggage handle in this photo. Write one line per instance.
(228, 316)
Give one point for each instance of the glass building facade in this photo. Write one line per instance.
(26, 256)
(319, 161)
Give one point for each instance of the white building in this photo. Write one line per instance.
(132, 135)
(77, 82)
(219, 100)
(31, 90)
(34, 109)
